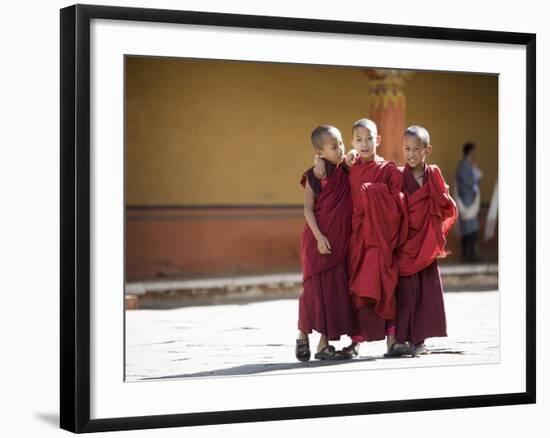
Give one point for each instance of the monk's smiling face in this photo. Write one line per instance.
(365, 142)
(415, 151)
(332, 147)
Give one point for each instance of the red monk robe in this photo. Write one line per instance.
(325, 305)
(432, 213)
(378, 227)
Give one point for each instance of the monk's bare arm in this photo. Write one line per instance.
(323, 244)
(350, 158)
(319, 168)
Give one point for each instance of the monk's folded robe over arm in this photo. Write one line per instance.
(374, 272)
(431, 215)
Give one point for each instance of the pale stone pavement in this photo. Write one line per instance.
(259, 338)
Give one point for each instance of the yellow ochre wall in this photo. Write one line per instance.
(202, 132)
(456, 108)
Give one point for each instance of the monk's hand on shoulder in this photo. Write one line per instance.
(319, 168)
(351, 157)
(323, 245)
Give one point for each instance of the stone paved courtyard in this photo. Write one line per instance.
(254, 338)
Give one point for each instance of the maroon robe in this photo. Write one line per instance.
(432, 213)
(378, 227)
(325, 304)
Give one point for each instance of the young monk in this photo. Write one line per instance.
(431, 214)
(324, 304)
(378, 226)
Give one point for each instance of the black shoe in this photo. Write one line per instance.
(398, 350)
(329, 353)
(303, 353)
(419, 349)
(350, 351)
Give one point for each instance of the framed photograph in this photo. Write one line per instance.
(185, 137)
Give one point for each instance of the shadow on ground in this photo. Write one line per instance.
(258, 368)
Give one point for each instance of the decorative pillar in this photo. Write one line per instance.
(388, 110)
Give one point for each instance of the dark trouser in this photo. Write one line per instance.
(469, 247)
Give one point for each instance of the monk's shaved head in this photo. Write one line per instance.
(366, 123)
(419, 132)
(318, 133)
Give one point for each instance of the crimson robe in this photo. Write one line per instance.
(431, 214)
(325, 304)
(419, 294)
(378, 227)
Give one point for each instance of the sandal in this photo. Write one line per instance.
(419, 349)
(329, 353)
(302, 351)
(350, 351)
(398, 350)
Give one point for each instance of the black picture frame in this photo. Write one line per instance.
(75, 217)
